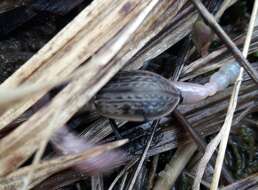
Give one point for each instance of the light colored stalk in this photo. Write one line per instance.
(36, 160)
(226, 131)
(228, 120)
(175, 166)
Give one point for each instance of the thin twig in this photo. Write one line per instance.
(222, 135)
(195, 136)
(210, 149)
(42, 147)
(182, 120)
(244, 113)
(200, 142)
(224, 140)
(250, 29)
(122, 185)
(154, 126)
(121, 173)
(225, 38)
(175, 166)
(226, 131)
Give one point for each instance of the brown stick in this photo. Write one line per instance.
(200, 142)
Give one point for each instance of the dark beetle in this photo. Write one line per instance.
(137, 96)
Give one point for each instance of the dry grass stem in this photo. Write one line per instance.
(174, 168)
(122, 172)
(47, 168)
(250, 30)
(222, 137)
(144, 155)
(224, 140)
(36, 160)
(211, 147)
(226, 131)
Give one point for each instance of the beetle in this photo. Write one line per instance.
(137, 96)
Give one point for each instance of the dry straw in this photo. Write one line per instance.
(222, 136)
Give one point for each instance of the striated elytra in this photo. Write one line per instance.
(137, 96)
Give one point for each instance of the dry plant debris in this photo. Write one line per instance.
(104, 38)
